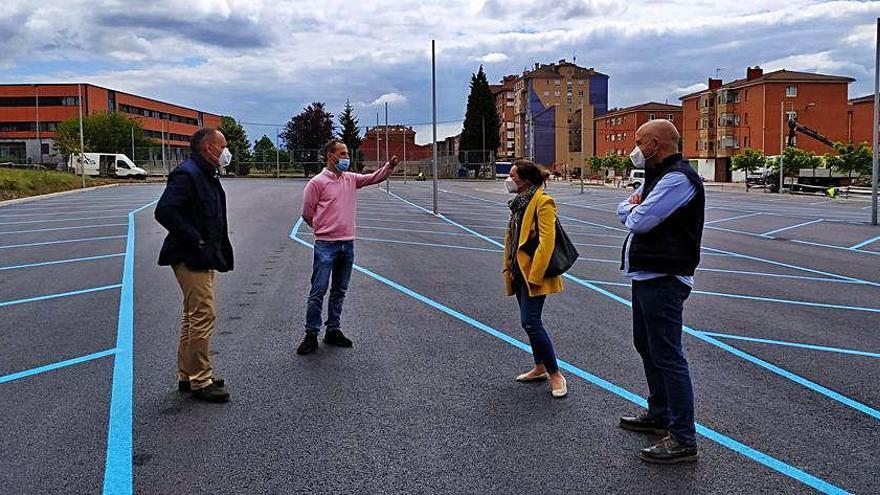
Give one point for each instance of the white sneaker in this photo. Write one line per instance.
(560, 392)
(526, 377)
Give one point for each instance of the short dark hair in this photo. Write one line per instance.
(531, 173)
(199, 137)
(331, 146)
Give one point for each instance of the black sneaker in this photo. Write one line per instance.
(336, 338)
(644, 423)
(309, 344)
(183, 385)
(211, 393)
(669, 451)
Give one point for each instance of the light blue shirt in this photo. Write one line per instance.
(672, 191)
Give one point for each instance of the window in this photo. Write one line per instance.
(44, 149)
(509, 134)
(791, 91)
(510, 145)
(745, 141)
(613, 136)
(580, 93)
(670, 117)
(650, 116)
(122, 164)
(509, 103)
(556, 93)
(619, 121)
(746, 119)
(546, 93)
(569, 101)
(728, 142)
(510, 125)
(790, 115)
(747, 95)
(557, 82)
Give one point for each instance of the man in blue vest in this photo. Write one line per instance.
(193, 210)
(665, 219)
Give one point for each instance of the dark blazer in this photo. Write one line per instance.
(193, 210)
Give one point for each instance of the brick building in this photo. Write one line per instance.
(861, 119)
(505, 98)
(548, 125)
(401, 142)
(616, 130)
(752, 112)
(30, 113)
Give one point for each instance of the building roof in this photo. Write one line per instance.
(777, 76)
(651, 105)
(551, 71)
(863, 99)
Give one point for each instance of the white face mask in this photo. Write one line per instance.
(637, 157)
(225, 158)
(511, 185)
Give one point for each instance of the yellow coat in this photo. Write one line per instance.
(533, 268)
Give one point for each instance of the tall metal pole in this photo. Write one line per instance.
(405, 133)
(781, 143)
(531, 137)
(876, 124)
(277, 156)
(483, 149)
(434, 120)
(377, 140)
(82, 146)
(39, 140)
(583, 148)
(132, 144)
(387, 157)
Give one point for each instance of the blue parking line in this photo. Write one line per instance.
(118, 465)
(766, 234)
(764, 364)
(416, 231)
(865, 243)
(832, 246)
(58, 295)
(66, 241)
(54, 366)
(61, 220)
(749, 452)
(60, 262)
(733, 218)
(788, 301)
(77, 227)
(793, 344)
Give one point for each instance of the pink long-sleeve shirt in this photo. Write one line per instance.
(330, 202)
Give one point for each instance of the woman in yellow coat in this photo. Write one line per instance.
(528, 246)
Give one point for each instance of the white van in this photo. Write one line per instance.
(106, 164)
(635, 179)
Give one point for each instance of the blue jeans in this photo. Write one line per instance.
(657, 307)
(530, 309)
(333, 260)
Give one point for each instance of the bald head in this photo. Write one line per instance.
(658, 139)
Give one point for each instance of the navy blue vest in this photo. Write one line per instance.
(673, 246)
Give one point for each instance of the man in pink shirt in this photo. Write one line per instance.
(329, 208)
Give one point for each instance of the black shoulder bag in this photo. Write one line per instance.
(564, 253)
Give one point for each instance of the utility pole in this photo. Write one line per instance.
(132, 145)
(781, 144)
(874, 166)
(82, 146)
(483, 149)
(164, 164)
(405, 135)
(434, 119)
(377, 140)
(39, 139)
(531, 137)
(387, 157)
(277, 156)
(583, 147)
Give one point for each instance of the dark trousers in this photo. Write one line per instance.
(333, 260)
(530, 309)
(657, 308)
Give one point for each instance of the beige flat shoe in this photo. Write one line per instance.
(560, 392)
(526, 378)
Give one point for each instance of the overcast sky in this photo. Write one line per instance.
(263, 61)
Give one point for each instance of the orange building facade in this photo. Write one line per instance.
(505, 98)
(30, 114)
(725, 119)
(616, 130)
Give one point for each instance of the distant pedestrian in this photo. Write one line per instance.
(665, 219)
(193, 210)
(330, 208)
(528, 247)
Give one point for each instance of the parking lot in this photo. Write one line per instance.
(781, 334)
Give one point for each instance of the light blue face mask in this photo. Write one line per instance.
(342, 164)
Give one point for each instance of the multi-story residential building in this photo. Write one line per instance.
(30, 113)
(505, 98)
(616, 130)
(753, 112)
(554, 109)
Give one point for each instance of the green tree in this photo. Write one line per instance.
(749, 160)
(350, 134)
(853, 159)
(238, 144)
(264, 150)
(596, 164)
(102, 133)
(307, 133)
(481, 123)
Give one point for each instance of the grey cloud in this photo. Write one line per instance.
(229, 33)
